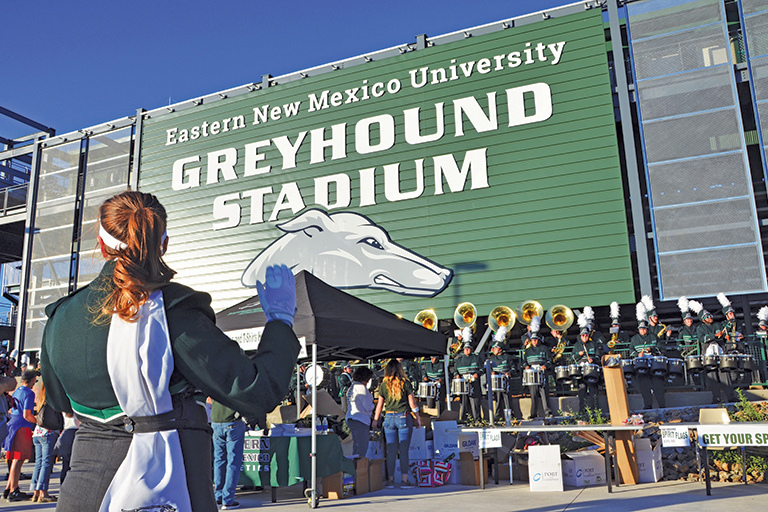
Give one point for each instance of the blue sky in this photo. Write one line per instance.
(75, 64)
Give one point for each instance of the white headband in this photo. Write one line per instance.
(115, 244)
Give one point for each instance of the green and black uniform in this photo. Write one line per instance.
(538, 355)
(74, 367)
(503, 364)
(719, 383)
(590, 352)
(435, 372)
(470, 367)
(650, 385)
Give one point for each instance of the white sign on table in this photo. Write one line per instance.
(733, 434)
(674, 436)
(489, 438)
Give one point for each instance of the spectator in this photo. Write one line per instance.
(344, 382)
(18, 444)
(397, 402)
(359, 410)
(63, 446)
(44, 440)
(228, 441)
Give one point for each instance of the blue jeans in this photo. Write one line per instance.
(398, 427)
(43, 460)
(228, 439)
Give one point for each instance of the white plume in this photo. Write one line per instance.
(723, 300)
(682, 303)
(589, 313)
(535, 324)
(501, 333)
(647, 302)
(614, 309)
(640, 311)
(583, 321)
(466, 335)
(762, 314)
(695, 306)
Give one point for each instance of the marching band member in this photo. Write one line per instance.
(762, 326)
(719, 383)
(128, 351)
(501, 364)
(537, 354)
(644, 345)
(728, 327)
(654, 326)
(470, 366)
(589, 351)
(687, 333)
(434, 371)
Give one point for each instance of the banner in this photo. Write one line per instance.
(733, 434)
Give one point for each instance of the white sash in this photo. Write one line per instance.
(140, 363)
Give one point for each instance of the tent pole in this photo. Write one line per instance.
(313, 455)
(447, 382)
(298, 392)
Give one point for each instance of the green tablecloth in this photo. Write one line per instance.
(285, 461)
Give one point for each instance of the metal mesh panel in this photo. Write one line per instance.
(655, 17)
(694, 91)
(753, 6)
(701, 179)
(703, 225)
(700, 273)
(684, 51)
(695, 135)
(756, 30)
(760, 77)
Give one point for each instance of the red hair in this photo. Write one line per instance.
(139, 221)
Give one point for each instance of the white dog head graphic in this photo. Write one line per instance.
(347, 250)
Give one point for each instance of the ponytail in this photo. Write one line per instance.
(133, 225)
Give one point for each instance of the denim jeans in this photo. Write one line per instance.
(228, 439)
(43, 460)
(398, 427)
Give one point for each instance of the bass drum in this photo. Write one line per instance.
(317, 376)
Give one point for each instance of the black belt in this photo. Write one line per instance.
(186, 414)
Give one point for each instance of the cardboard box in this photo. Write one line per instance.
(583, 468)
(504, 473)
(649, 465)
(545, 468)
(446, 438)
(282, 414)
(326, 406)
(333, 486)
(375, 475)
(418, 447)
(470, 469)
(362, 483)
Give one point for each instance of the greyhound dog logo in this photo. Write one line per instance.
(348, 250)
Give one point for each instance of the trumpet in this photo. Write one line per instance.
(427, 319)
(529, 309)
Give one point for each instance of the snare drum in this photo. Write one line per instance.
(562, 374)
(590, 373)
(459, 386)
(729, 363)
(575, 371)
(533, 377)
(643, 365)
(659, 366)
(710, 361)
(427, 390)
(675, 367)
(694, 364)
(499, 383)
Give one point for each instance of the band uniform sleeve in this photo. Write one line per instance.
(213, 363)
(54, 391)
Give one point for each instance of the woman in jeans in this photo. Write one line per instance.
(396, 400)
(359, 410)
(44, 440)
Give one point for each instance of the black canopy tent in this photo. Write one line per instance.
(343, 327)
(338, 326)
